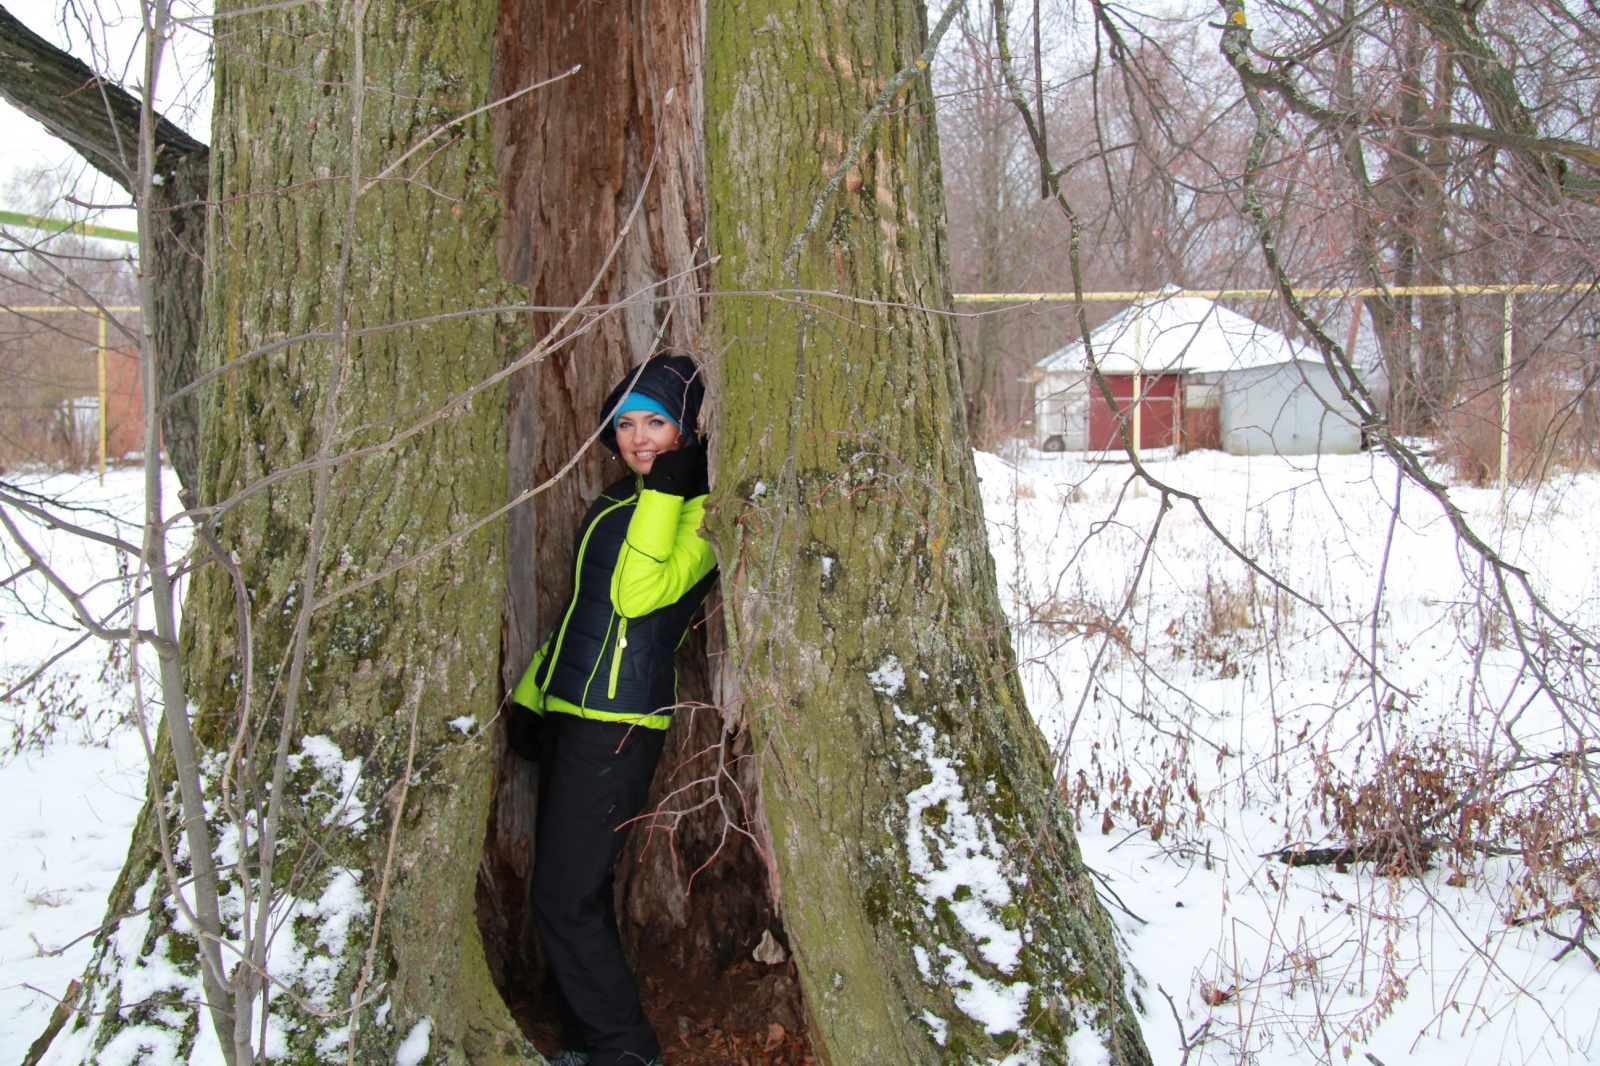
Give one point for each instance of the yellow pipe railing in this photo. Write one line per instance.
(1358, 292)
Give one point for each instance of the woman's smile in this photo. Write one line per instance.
(643, 435)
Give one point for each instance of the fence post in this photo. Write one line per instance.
(100, 368)
(1138, 373)
(1505, 397)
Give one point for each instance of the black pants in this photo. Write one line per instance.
(595, 778)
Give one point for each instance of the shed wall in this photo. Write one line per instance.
(1290, 409)
(1061, 413)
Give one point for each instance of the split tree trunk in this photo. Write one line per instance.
(391, 745)
(878, 691)
(575, 159)
(930, 882)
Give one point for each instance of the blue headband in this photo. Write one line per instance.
(638, 401)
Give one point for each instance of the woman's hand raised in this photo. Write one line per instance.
(680, 473)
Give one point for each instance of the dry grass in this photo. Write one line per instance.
(1549, 430)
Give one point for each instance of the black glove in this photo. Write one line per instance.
(524, 732)
(680, 473)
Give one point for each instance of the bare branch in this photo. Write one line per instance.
(74, 600)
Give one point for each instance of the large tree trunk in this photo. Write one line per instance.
(930, 883)
(392, 770)
(868, 691)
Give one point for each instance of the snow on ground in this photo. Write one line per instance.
(71, 770)
(69, 812)
(1197, 724)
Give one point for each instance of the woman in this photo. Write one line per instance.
(605, 687)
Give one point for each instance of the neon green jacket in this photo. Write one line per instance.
(641, 570)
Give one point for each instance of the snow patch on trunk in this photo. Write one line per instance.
(414, 1048)
(952, 852)
(340, 780)
(889, 679)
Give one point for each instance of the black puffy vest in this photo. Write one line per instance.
(600, 660)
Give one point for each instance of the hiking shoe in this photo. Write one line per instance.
(573, 1058)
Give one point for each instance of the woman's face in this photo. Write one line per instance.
(643, 435)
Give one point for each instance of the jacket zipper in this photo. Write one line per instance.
(616, 659)
(577, 579)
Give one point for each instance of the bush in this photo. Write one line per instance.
(1547, 430)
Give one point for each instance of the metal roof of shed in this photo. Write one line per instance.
(1179, 334)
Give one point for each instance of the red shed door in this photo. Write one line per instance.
(1158, 411)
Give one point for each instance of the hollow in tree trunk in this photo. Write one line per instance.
(620, 138)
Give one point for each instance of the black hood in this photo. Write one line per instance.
(673, 381)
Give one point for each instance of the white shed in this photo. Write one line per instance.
(1176, 349)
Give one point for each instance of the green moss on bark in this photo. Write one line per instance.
(859, 594)
(420, 645)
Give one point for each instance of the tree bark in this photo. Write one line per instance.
(868, 677)
(391, 756)
(100, 121)
(865, 633)
(574, 160)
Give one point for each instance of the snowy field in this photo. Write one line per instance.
(71, 768)
(1213, 720)
(1206, 719)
